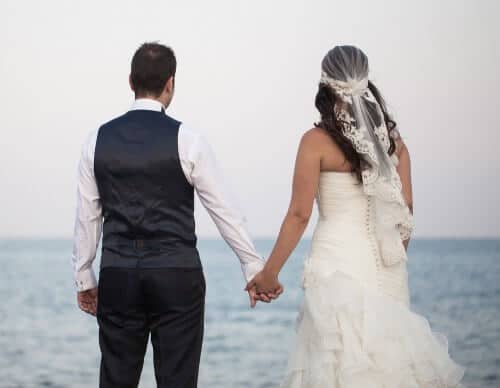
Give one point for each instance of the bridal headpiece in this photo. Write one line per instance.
(345, 70)
(347, 88)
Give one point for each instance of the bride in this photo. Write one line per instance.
(355, 327)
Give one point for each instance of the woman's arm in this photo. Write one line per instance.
(404, 171)
(305, 183)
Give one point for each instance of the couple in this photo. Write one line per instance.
(136, 181)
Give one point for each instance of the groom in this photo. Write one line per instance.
(136, 181)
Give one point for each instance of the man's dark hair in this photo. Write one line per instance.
(152, 65)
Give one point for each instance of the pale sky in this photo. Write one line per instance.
(247, 77)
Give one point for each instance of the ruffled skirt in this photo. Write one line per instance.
(351, 336)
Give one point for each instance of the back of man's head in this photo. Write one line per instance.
(152, 66)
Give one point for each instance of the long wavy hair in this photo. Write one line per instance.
(325, 101)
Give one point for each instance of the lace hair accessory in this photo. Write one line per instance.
(345, 70)
(346, 88)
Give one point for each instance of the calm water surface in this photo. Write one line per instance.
(45, 341)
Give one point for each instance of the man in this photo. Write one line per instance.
(136, 183)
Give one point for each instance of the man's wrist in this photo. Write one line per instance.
(85, 280)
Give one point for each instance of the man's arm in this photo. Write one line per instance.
(88, 227)
(201, 170)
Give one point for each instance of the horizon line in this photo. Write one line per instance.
(216, 237)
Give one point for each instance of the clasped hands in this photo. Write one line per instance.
(264, 287)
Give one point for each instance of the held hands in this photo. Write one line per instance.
(264, 287)
(87, 301)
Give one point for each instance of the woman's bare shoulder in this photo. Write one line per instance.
(399, 143)
(401, 148)
(313, 133)
(317, 141)
(317, 136)
(322, 140)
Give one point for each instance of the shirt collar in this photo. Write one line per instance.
(146, 104)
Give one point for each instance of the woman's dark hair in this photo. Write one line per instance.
(325, 102)
(152, 65)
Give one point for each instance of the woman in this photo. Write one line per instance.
(355, 328)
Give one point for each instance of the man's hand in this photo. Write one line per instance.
(253, 297)
(263, 297)
(87, 301)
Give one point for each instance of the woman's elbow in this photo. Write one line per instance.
(300, 216)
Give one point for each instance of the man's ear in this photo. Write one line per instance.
(169, 86)
(130, 83)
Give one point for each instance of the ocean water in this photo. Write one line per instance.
(45, 341)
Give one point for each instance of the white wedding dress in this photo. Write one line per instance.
(355, 328)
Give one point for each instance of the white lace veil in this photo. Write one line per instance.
(345, 70)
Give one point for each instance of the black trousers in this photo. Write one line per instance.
(166, 302)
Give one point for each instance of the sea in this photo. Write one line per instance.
(47, 342)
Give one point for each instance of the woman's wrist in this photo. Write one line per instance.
(271, 269)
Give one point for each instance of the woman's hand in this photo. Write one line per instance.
(265, 283)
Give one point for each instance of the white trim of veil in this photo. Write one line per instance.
(370, 138)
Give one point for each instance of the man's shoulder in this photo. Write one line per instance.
(91, 139)
(114, 121)
(190, 133)
(171, 120)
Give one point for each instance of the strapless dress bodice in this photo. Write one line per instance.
(344, 238)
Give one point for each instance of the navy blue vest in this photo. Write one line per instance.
(147, 202)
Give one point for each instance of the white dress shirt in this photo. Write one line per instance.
(200, 168)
